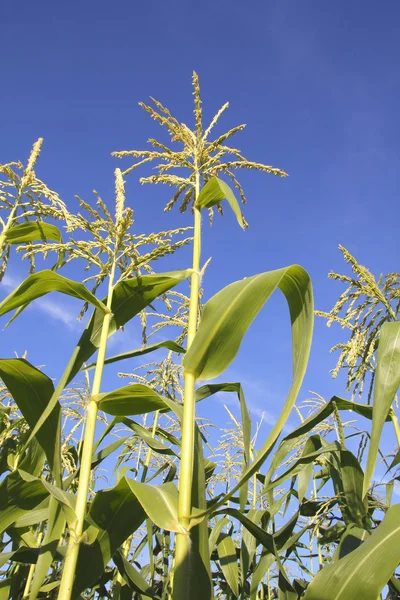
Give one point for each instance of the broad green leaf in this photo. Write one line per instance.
(216, 190)
(5, 585)
(207, 390)
(135, 399)
(23, 555)
(347, 477)
(34, 516)
(32, 231)
(114, 515)
(147, 437)
(228, 315)
(262, 537)
(32, 391)
(364, 572)
(215, 532)
(249, 544)
(228, 560)
(18, 498)
(304, 476)
(33, 461)
(54, 530)
(266, 561)
(160, 503)
(352, 537)
(387, 381)
(297, 466)
(289, 442)
(225, 320)
(132, 577)
(168, 344)
(130, 297)
(40, 284)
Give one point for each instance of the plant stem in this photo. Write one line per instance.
(182, 547)
(75, 538)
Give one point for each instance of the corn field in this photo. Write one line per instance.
(196, 511)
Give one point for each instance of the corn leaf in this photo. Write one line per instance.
(364, 572)
(32, 231)
(32, 391)
(387, 381)
(168, 344)
(227, 559)
(40, 284)
(226, 319)
(160, 503)
(216, 190)
(113, 516)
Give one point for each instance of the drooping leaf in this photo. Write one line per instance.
(297, 465)
(160, 503)
(364, 572)
(228, 315)
(228, 560)
(225, 322)
(132, 577)
(289, 441)
(113, 516)
(32, 391)
(207, 390)
(40, 284)
(32, 231)
(387, 381)
(54, 530)
(168, 344)
(216, 190)
(130, 297)
(215, 532)
(249, 543)
(135, 399)
(18, 498)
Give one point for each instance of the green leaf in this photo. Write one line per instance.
(289, 442)
(249, 544)
(32, 391)
(32, 231)
(224, 323)
(160, 503)
(228, 315)
(54, 530)
(40, 284)
(146, 437)
(348, 478)
(215, 532)
(216, 190)
(364, 572)
(18, 498)
(387, 381)
(208, 390)
(130, 297)
(227, 558)
(132, 577)
(168, 344)
(135, 399)
(113, 516)
(298, 465)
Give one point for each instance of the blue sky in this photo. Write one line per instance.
(317, 84)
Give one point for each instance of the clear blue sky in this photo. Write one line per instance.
(318, 85)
